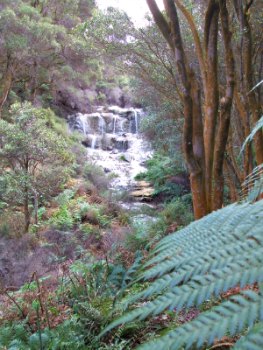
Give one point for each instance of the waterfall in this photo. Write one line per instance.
(123, 121)
(114, 124)
(83, 119)
(102, 125)
(113, 142)
(93, 142)
(136, 121)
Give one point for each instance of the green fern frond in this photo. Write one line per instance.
(210, 256)
(232, 316)
(199, 290)
(206, 235)
(219, 227)
(211, 263)
(253, 340)
(250, 137)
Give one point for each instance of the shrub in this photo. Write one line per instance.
(177, 212)
(62, 219)
(138, 238)
(96, 176)
(11, 223)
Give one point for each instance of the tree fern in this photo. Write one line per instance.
(250, 137)
(252, 187)
(208, 257)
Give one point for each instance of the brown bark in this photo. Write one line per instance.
(197, 41)
(193, 131)
(244, 119)
(225, 113)
(211, 94)
(248, 72)
(254, 104)
(161, 22)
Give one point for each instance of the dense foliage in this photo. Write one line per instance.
(34, 159)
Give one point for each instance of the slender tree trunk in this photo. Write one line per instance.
(26, 211)
(242, 10)
(27, 215)
(244, 119)
(6, 87)
(35, 207)
(211, 94)
(193, 138)
(254, 104)
(225, 113)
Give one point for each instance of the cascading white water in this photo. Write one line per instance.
(123, 122)
(113, 141)
(114, 123)
(102, 125)
(93, 142)
(83, 119)
(136, 121)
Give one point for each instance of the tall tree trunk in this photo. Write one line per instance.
(244, 119)
(35, 207)
(26, 196)
(211, 94)
(193, 140)
(242, 11)
(26, 210)
(254, 104)
(225, 113)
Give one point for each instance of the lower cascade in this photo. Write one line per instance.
(113, 140)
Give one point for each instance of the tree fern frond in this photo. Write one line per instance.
(212, 263)
(206, 233)
(235, 230)
(231, 316)
(253, 340)
(250, 137)
(200, 289)
(213, 258)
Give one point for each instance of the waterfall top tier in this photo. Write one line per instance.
(108, 127)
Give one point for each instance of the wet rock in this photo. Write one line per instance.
(122, 144)
(143, 190)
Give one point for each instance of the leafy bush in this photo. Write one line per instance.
(62, 219)
(65, 196)
(210, 256)
(178, 212)
(96, 176)
(138, 238)
(11, 223)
